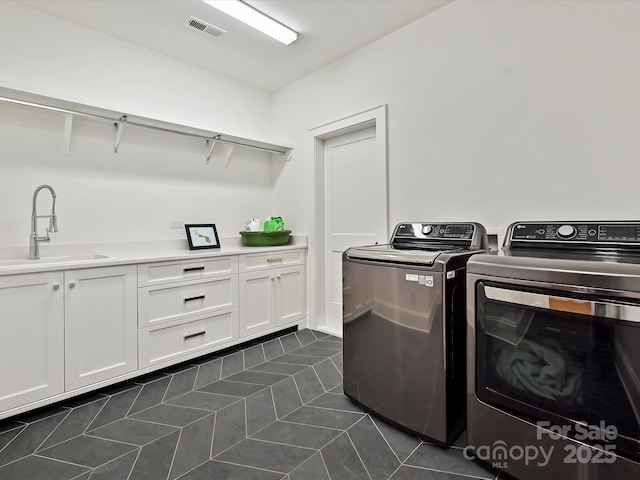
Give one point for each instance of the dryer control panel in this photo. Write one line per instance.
(530, 234)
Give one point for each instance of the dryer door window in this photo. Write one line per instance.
(565, 360)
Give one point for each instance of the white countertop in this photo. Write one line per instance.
(14, 260)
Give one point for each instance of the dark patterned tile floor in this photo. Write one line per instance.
(269, 410)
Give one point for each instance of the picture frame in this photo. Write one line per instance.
(202, 235)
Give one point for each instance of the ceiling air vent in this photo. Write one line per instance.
(204, 27)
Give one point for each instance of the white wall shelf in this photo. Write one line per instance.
(219, 146)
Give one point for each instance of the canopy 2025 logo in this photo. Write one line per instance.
(499, 454)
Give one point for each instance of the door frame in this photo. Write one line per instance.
(373, 117)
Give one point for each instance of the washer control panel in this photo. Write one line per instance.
(435, 231)
(575, 232)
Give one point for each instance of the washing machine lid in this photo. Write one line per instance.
(415, 254)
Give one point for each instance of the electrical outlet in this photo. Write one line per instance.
(176, 224)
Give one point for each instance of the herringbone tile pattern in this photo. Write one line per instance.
(270, 410)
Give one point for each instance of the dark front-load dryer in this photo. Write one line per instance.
(554, 352)
(404, 326)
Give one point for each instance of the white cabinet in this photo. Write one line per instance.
(100, 324)
(258, 300)
(65, 330)
(32, 340)
(272, 290)
(185, 307)
(169, 302)
(150, 274)
(164, 343)
(291, 288)
(68, 332)
(259, 261)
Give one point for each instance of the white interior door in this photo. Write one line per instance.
(355, 207)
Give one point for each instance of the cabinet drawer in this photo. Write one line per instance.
(163, 343)
(165, 303)
(169, 272)
(259, 261)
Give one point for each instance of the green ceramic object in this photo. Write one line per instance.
(265, 239)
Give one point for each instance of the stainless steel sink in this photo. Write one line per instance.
(16, 262)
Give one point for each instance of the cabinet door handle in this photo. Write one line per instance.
(72, 284)
(278, 276)
(191, 299)
(274, 259)
(193, 335)
(56, 286)
(192, 269)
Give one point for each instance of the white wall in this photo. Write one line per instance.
(48, 56)
(497, 111)
(131, 195)
(154, 178)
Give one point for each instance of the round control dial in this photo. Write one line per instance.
(427, 229)
(566, 231)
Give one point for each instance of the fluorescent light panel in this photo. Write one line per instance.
(254, 18)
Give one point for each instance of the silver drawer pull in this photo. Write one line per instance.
(192, 269)
(274, 259)
(56, 286)
(193, 335)
(191, 299)
(72, 284)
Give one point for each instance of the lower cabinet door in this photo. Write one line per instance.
(163, 343)
(257, 301)
(32, 339)
(291, 299)
(100, 324)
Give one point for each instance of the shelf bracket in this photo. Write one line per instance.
(223, 152)
(213, 145)
(282, 157)
(288, 154)
(66, 138)
(223, 158)
(120, 126)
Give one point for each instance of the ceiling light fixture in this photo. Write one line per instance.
(254, 18)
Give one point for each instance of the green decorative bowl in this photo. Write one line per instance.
(265, 239)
